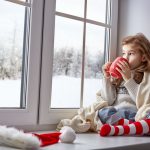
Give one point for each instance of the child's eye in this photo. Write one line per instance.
(131, 53)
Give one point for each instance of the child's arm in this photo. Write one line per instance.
(132, 88)
(108, 91)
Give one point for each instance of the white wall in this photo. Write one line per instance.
(134, 17)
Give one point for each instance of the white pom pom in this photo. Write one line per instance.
(68, 135)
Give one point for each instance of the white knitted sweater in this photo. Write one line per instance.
(123, 96)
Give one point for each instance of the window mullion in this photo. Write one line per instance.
(27, 4)
(25, 57)
(107, 21)
(83, 54)
(113, 34)
(106, 12)
(83, 19)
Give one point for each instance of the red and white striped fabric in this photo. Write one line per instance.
(136, 128)
(124, 122)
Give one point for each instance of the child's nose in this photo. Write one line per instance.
(126, 57)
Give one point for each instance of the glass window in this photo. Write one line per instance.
(72, 7)
(96, 10)
(20, 58)
(67, 63)
(79, 49)
(94, 59)
(75, 46)
(12, 26)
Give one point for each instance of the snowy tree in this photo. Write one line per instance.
(69, 62)
(76, 65)
(96, 65)
(63, 59)
(93, 64)
(2, 60)
(11, 57)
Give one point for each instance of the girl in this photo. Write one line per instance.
(125, 97)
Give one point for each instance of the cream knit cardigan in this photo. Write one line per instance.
(143, 97)
(87, 118)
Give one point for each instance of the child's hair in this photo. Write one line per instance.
(141, 43)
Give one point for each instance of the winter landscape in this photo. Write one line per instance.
(67, 63)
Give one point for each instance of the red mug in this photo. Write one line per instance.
(112, 70)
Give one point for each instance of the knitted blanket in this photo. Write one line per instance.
(86, 118)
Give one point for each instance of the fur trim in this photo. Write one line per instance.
(14, 138)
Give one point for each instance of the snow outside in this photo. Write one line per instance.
(66, 65)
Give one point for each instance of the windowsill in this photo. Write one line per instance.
(88, 141)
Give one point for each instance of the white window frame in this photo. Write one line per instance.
(114, 31)
(29, 115)
(53, 116)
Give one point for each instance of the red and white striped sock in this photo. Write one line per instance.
(124, 122)
(136, 128)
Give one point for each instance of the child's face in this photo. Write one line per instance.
(134, 57)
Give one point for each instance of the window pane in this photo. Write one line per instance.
(11, 48)
(96, 10)
(94, 56)
(72, 7)
(67, 63)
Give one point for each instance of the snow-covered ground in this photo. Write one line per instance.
(65, 92)
(10, 93)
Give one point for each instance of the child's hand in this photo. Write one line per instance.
(124, 70)
(105, 69)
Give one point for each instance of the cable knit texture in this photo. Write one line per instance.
(143, 97)
(86, 118)
(132, 87)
